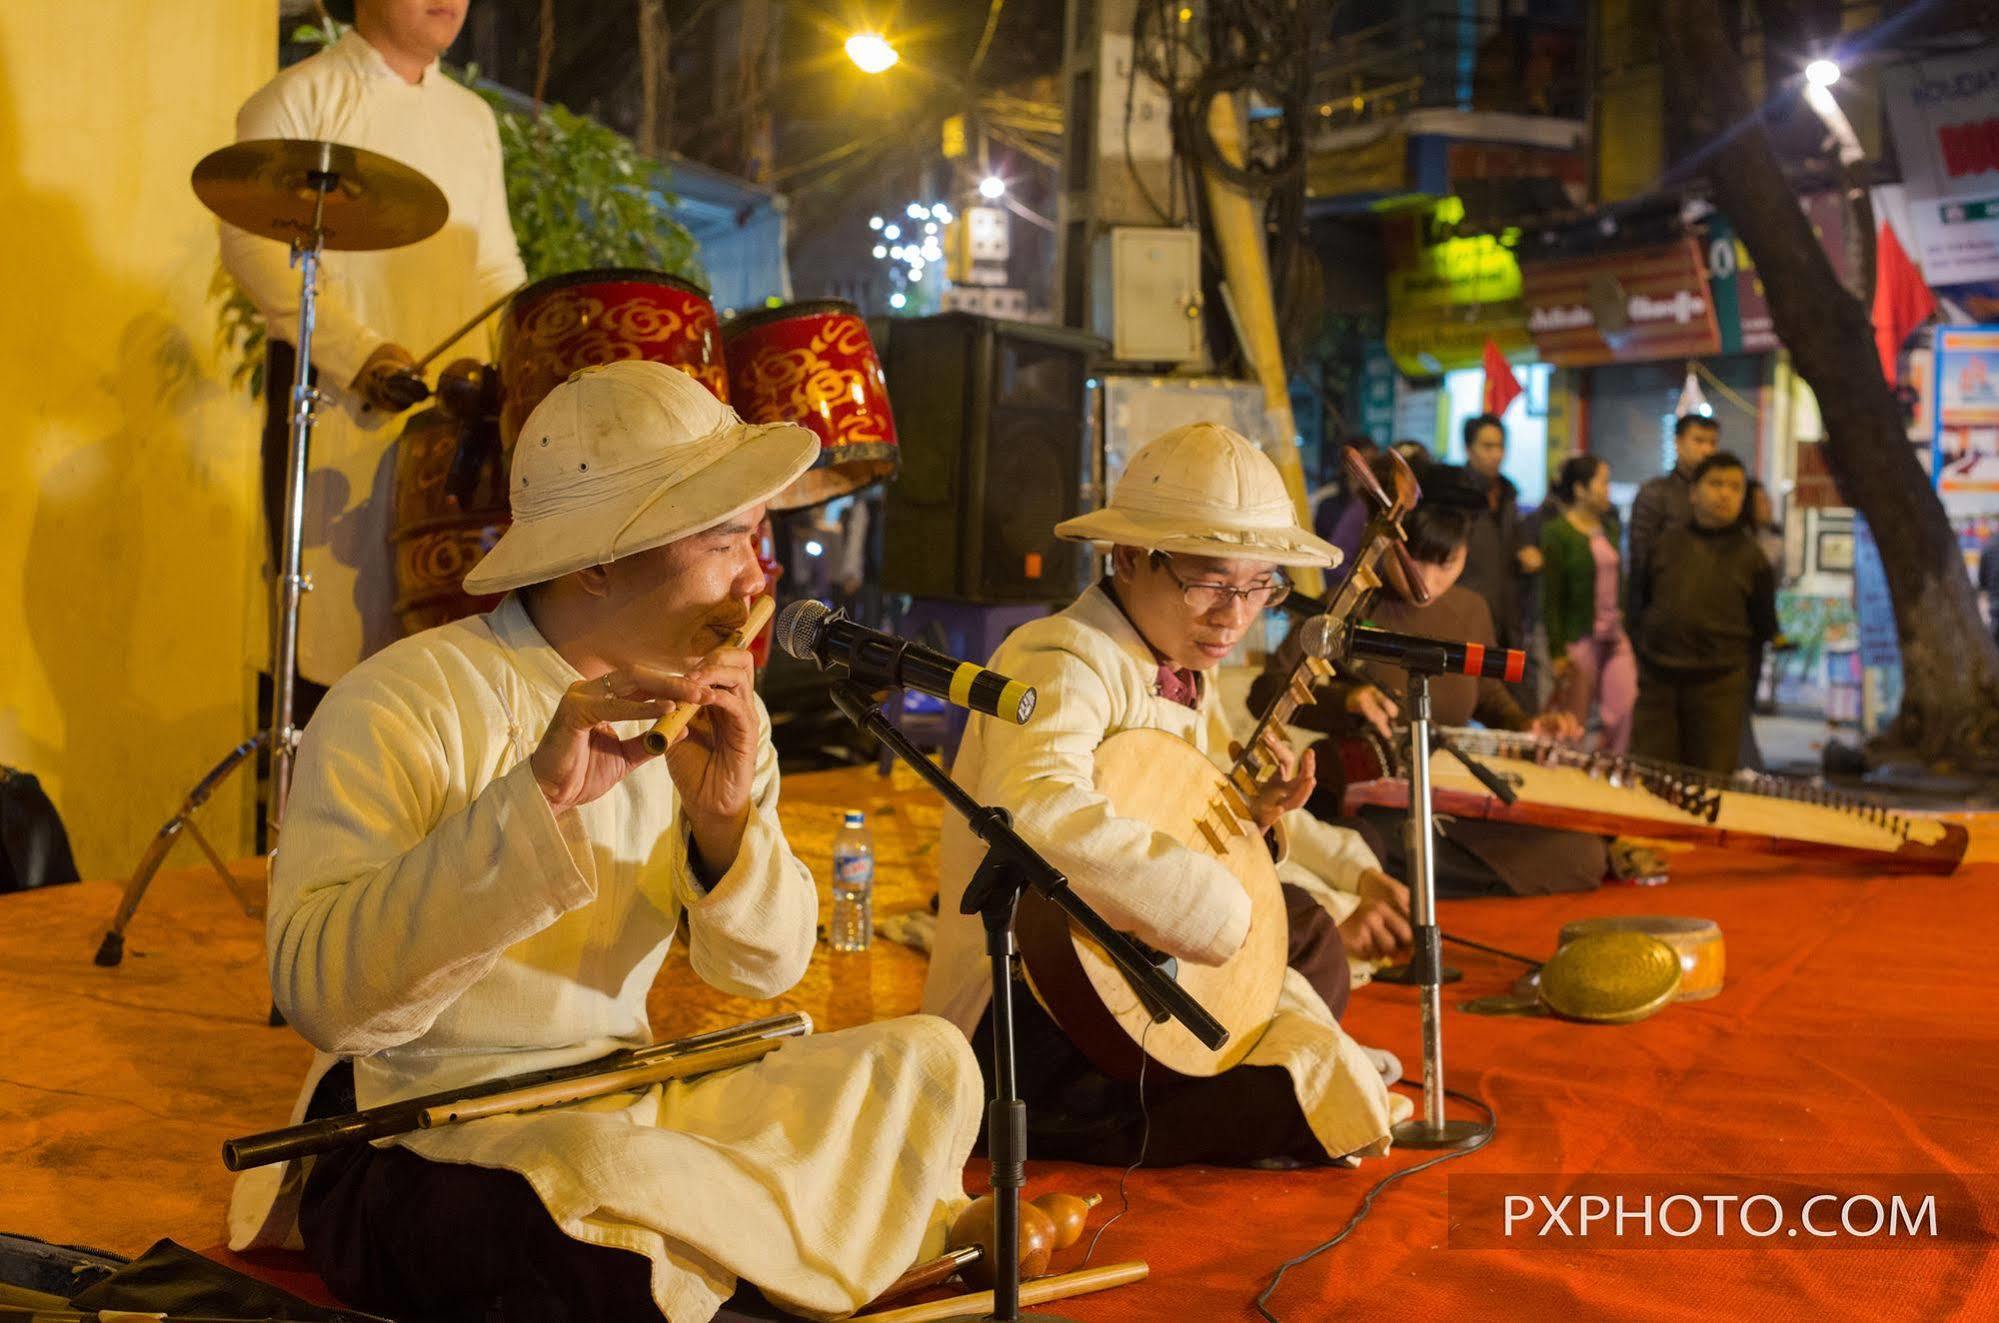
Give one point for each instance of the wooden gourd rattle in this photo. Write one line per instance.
(1048, 1223)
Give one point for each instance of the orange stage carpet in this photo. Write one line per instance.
(1856, 1035)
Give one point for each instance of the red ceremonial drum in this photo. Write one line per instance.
(557, 325)
(550, 329)
(812, 363)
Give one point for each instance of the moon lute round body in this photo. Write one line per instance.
(1165, 782)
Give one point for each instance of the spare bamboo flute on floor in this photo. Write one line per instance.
(636, 1076)
(1037, 1292)
(693, 1056)
(667, 729)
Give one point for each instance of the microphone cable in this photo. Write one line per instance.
(1367, 1200)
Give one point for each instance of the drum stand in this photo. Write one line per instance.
(279, 735)
(1010, 867)
(1432, 1129)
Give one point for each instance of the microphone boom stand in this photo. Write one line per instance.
(1432, 1129)
(1011, 866)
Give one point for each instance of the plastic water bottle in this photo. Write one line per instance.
(853, 885)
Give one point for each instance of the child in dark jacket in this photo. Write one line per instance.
(1705, 607)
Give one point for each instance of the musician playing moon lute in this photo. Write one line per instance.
(1199, 529)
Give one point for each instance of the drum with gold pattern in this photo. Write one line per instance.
(562, 323)
(813, 364)
(450, 498)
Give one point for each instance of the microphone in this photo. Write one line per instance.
(1321, 636)
(811, 631)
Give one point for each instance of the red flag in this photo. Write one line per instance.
(1902, 302)
(1501, 386)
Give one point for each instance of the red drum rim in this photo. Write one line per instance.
(611, 275)
(841, 471)
(784, 312)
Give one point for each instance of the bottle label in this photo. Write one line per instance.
(853, 870)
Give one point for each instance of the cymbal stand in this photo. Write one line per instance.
(279, 733)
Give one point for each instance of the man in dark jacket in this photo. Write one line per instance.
(1666, 501)
(1705, 604)
(1497, 553)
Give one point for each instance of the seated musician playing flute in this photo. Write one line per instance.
(483, 868)
(1198, 529)
(1472, 858)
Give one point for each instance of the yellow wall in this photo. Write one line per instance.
(131, 611)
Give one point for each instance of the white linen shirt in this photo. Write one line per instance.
(413, 296)
(433, 919)
(1095, 676)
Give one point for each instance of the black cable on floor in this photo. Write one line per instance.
(1367, 1201)
(1144, 1141)
(1528, 961)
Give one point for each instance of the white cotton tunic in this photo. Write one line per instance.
(413, 296)
(1095, 677)
(431, 918)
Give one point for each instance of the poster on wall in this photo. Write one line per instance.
(1944, 114)
(1965, 453)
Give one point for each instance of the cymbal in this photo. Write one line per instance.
(268, 187)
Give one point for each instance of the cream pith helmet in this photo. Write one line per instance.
(628, 456)
(1203, 490)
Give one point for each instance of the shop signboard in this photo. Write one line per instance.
(1944, 115)
(1633, 305)
(1449, 294)
(1964, 456)
(1742, 315)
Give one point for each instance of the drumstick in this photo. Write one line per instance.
(467, 328)
(667, 729)
(1037, 1292)
(930, 1273)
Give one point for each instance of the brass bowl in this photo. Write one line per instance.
(1611, 977)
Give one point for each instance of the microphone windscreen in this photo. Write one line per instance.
(797, 628)
(1319, 636)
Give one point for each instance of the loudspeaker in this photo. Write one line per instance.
(997, 449)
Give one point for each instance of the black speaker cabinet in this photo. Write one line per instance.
(992, 418)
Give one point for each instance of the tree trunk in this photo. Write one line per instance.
(1950, 703)
(655, 135)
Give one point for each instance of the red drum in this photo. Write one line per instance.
(812, 363)
(562, 323)
(439, 534)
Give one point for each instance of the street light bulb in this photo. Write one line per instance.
(871, 52)
(917, 211)
(880, 251)
(930, 227)
(916, 273)
(874, 222)
(892, 232)
(1822, 73)
(992, 187)
(896, 300)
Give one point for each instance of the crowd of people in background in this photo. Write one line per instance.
(1648, 635)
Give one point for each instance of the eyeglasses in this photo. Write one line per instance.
(1202, 598)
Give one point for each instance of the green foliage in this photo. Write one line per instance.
(581, 197)
(579, 194)
(239, 332)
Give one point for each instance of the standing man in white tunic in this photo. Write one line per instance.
(483, 869)
(378, 87)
